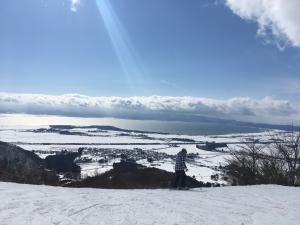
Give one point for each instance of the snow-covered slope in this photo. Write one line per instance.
(36, 205)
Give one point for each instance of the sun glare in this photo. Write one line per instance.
(120, 42)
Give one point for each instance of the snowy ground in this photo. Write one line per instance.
(252, 205)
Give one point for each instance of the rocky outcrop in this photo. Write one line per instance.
(19, 165)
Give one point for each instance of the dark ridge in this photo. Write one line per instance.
(63, 162)
(183, 139)
(130, 175)
(21, 166)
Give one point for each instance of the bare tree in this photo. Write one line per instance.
(254, 163)
(289, 151)
(244, 163)
(271, 168)
(254, 151)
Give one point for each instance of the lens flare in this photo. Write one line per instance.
(120, 42)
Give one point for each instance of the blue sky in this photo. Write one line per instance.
(199, 48)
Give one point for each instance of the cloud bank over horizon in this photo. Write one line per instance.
(165, 108)
(278, 20)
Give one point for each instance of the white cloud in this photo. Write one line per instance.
(278, 20)
(74, 5)
(152, 107)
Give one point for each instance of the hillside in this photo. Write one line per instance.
(19, 165)
(261, 205)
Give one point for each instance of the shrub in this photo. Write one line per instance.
(278, 163)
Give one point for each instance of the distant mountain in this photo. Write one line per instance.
(269, 126)
(205, 119)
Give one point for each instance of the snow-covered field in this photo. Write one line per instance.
(249, 205)
(96, 141)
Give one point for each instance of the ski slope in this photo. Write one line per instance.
(36, 205)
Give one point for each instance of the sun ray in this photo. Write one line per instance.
(120, 42)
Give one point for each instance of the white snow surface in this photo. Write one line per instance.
(249, 205)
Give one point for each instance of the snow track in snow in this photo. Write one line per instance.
(36, 205)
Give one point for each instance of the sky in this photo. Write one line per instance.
(234, 59)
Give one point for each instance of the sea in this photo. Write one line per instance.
(173, 127)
